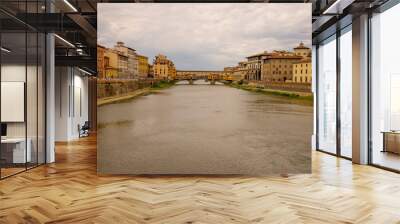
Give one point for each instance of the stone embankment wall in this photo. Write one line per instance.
(284, 86)
(110, 88)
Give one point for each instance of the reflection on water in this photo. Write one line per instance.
(204, 129)
(198, 82)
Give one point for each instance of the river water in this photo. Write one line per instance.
(205, 129)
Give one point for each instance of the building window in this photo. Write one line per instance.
(327, 96)
(385, 89)
(346, 94)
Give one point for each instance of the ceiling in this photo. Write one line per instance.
(76, 21)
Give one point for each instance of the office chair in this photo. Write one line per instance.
(84, 130)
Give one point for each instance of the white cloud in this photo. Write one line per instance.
(204, 36)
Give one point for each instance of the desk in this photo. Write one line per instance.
(13, 150)
(391, 141)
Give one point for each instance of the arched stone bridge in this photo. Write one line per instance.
(191, 76)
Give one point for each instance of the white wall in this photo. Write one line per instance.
(14, 72)
(33, 126)
(62, 82)
(70, 83)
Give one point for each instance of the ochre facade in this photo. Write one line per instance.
(163, 68)
(302, 71)
(143, 66)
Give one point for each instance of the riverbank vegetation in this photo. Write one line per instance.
(163, 84)
(306, 99)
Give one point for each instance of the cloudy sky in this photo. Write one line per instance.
(204, 36)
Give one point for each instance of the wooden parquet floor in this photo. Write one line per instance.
(69, 191)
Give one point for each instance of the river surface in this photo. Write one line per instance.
(204, 129)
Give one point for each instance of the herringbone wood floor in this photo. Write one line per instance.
(69, 191)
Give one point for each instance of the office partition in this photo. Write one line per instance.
(22, 77)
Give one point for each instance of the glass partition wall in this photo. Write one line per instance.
(334, 89)
(22, 107)
(385, 89)
(13, 90)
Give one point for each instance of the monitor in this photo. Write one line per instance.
(3, 129)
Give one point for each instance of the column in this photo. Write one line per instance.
(360, 90)
(50, 98)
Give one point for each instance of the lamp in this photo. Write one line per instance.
(84, 71)
(5, 50)
(70, 5)
(64, 40)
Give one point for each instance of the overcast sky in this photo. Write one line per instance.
(204, 36)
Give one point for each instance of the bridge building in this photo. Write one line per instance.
(278, 66)
(199, 74)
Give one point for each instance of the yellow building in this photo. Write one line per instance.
(302, 71)
(236, 73)
(163, 68)
(228, 72)
(302, 50)
(151, 73)
(240, 71)
(100, 61)
(278, 66)
(173, 71)
(143, 66)
(111, 64)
